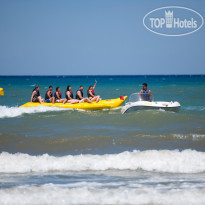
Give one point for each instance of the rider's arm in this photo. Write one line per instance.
(58, 95)
(48, 93)
(141, 91)
(151, 96)
(68, 94)
(32, 95)
(95, 85)
(79, 94)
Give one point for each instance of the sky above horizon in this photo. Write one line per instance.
(105, 37)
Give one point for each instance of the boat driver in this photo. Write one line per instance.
(145, 94)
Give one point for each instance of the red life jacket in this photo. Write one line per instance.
(56, 95)
(71, 94)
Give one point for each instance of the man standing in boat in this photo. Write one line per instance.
(145, 94)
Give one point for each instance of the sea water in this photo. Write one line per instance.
(51, 155)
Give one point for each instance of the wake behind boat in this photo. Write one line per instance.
(103, 104)
(142, 101)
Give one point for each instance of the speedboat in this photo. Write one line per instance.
(143, 101)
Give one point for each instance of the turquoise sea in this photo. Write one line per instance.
(60, 156)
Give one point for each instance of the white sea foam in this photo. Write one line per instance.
(187, 136)
(7, 112)
(199, 108)
(59, 194)
(187, 161)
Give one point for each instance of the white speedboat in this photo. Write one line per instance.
(141, 101)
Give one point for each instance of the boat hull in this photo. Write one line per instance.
(103, 104)
(144, 105)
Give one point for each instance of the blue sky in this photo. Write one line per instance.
(99, 37)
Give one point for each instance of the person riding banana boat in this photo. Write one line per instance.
(58, 96)
(49, 95)
(36, 96)
(91, 93)
(69, 96)
(79, 96)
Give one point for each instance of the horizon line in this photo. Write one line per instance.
(106, 75)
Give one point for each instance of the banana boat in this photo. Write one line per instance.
(103, 104)
(1, 91)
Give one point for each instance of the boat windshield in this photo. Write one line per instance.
(140, 97)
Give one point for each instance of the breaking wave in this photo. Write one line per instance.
(187, 161)
(60, 194)
(8, 112)
(187, 136)
(199, 108)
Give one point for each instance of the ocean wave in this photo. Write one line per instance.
(9, 112)
(189, 136)
(187, 161)
(199, 108)
(60, 194)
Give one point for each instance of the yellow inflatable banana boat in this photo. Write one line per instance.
(103, 104)
(1, 91)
